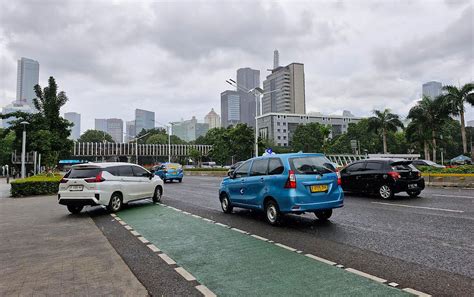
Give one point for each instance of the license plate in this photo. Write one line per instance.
(318, 188)
(76, 188)
(412, 186)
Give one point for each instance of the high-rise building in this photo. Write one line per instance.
(27, 78)
(115, 129)
(432, 89)
(144, 119)
(212, 119)
(230, 108)
(248, 79)
(129, 130)
(285, 90)
(11, 108)
(189, 130)
(276, 59)
(74, 118)
(100, 125)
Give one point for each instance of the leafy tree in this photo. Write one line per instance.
(456, 98)
(6, 146)
(95, 136)
(310, 138)
(195, 155)
(384, 122)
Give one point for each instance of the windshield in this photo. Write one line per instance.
(311, 165)
(83, 172)
(403, 167)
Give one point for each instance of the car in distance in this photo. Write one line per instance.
(108, 184)
(385, 177)
(420, 162)
(169, 172)
(286, 183)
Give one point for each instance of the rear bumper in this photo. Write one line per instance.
(174, 176)
(78, 201)
(402, 185)
(83, 198)
(333, 200)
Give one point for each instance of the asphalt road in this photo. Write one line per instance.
(424, 243)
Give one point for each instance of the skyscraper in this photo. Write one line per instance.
(100, 125)
(74, 118)
(230, 108)
(115, 129)
(248, 79)
(212, 119)
(27, 78)
(285, 90)
(432, 89)
(129, 130)
(189, 130)
(144, 119)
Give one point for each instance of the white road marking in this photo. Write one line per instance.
(114, 215)
(454, 196)
(285, 247)
(128, 227)
(143, 239)
(207, 220)
(167, 259)
(320, 259)
(205, 291)
(118, 219)
(259, 237)
(392, 284)
(421, 207)
(240, 231)
(187, 276)
(222, 225)
(186, 213)
(415, 292)
(135, 233)
(366, 275)
(340, 266)
(196, 216)
(153, 248)
(122, 223)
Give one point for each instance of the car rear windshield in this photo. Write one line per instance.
(403, 166)
(83, 172)
(311, 165)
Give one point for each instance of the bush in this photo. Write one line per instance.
(457, 169)
(35, 185)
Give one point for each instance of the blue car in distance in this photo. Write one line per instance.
(169, 172)
(286, 183)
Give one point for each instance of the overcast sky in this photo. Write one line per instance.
(173, 57)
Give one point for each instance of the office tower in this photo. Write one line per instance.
(285, 90)
(74, 118)
(27, 78)
(432, 89)
(212, 119)
(276, 59)
(129, 130)
(189, 130)
(248, 79)
(115, 129)
(144, 119)
(230, 108)
(11, 108)
(100, 124)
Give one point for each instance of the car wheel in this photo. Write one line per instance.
(157, 194)
(414, 194)
(115, 203)
(385, 192)
(74, 209)
(226, 205)
(180, 180)
(323, 215)
(272, 213)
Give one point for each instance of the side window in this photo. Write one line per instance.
(243, 170)
(275, 167)
(373, 166)
(259, 167)
(356, 167)
(138, 171)
(125, 171)
(112, 170)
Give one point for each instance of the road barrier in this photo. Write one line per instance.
(464, 180)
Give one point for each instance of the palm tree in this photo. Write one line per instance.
(416, 133)
(457, 97)
(384, 122)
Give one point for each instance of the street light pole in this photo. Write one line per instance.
(23, 150)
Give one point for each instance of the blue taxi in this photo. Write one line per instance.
(285, 183)
(169, 172)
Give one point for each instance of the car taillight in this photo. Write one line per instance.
(97, 179)
(63, 180)
(291, 182)
(395, 175)
(339, 181)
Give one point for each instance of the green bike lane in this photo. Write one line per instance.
(231, 263)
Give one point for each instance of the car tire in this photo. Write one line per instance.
(414, 194)
(226, 205)
(386, 192)
(115, 203)
(180, 180)
(75, 209)
(323, 215)
(157, 194)
(272, 213)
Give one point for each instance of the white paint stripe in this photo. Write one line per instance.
(422, 207)
(122, 223)
(207, 220)
(167, 259)
(135, 233)
(185, 212)
(240, 231)
(286, 247)
(128, 227)
(205, 291)
(143, 239)
(222, 225)
(196, 216)
(392, 284)
(114, 215)
(340, 266)
(259, 237)
(153, 248)
(454, 196)
(187, 276)
(366, 275)
(118, 219)
(415, 292)
(320, 259)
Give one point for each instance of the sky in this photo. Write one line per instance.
(173, 57)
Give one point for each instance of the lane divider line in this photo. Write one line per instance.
(185, 274)
(128, 227)
(135, 233)
(205, 291)
(366, 275)
(286, 247)
(223, 225)
(340, 266)
(113, 215)
(320, 259)
(153, 248)
(208, 220)
(196, 216)
(122, 223)
(392, 284)
(421, 207)
(167, 259)
(415, 292)
(117, 218)
(259, 237)
(143, 239)
(240, 231)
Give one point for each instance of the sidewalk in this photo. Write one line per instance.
(4, 188)
(46, 251)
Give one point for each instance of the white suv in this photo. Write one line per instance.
(109, 184)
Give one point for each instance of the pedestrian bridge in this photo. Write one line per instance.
(109, 149)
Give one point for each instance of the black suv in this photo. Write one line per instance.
(384, 177)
